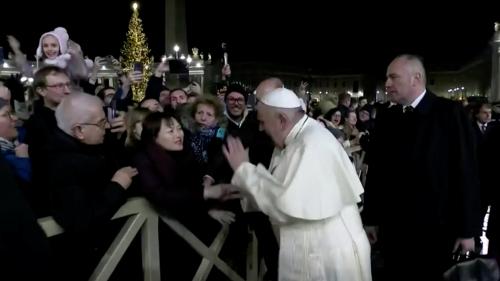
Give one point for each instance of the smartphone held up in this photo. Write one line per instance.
(138, 67)
(111, 111)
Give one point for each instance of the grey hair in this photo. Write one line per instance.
(75, 109)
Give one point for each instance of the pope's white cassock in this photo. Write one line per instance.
(311, 191)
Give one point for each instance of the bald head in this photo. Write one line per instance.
(414, 66)
(78, 107)
(267, 86)
(5, 93)
(405, 79)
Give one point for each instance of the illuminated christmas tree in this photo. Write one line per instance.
(135, 53)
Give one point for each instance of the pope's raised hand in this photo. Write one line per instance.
(235, 153)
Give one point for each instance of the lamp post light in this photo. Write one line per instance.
(176, 50)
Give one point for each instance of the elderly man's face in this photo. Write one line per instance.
(399, 81)
(235, 103)
(270, 123)
(94, 129)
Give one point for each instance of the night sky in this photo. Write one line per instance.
(343, 38)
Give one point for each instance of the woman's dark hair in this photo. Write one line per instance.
(328, 115)
(152, 124)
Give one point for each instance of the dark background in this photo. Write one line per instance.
(350, 38)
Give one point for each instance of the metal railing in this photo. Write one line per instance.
(145, 219)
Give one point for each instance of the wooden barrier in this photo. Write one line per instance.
(142, 217)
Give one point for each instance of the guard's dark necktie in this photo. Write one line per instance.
(408, 109)
(483, 128)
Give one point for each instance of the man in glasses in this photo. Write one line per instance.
(52, 85)
(88, 187)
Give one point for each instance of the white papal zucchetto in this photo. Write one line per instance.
(281, 98)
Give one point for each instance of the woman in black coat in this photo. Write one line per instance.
(171, 179)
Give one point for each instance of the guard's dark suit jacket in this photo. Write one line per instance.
(490, 185)
(422, 186)
(485, 147)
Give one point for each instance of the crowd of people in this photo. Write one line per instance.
(283, 168)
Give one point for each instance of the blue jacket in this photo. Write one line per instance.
(21, 166)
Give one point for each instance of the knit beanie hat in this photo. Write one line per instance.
(238, 88)
(62, 37)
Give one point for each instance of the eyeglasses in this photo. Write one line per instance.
(60, 85)
(101, 124)
(8, 114)
(233, 100)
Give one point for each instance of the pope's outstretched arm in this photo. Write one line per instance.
(305, 184)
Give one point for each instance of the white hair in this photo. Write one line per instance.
(76, 108)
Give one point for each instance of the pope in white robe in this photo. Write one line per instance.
(311, 191)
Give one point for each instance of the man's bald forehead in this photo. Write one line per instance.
(78, 104)
(4, 92)
(411, 61)
(82, 99)
(413, 64)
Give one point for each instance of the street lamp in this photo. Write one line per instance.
(176, 50)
